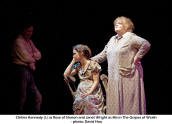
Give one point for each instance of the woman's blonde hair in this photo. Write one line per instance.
(126, 22)
(83, 48)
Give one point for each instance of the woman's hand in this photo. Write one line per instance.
(74, 60)
(69, 72)
(137, 61)
(84, 95)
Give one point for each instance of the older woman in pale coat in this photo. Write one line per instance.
(125, 92)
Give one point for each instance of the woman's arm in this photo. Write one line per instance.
(143, 47)
(69, 72)
(94, 86)
(96, 81)
(101, 57)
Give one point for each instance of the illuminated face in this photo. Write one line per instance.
(76, 55)
(119, 27)
(28, 32)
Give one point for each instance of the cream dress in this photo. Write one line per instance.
(125, 93)
(94, 103)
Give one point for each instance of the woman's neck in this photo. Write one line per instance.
(121, 33)
(83, 62)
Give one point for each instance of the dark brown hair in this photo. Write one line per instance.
(83, 48)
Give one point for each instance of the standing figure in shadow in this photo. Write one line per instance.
(24, 56)
(89, 96)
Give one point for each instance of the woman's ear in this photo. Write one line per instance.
(82, 53)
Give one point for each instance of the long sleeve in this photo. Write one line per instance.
(36, 52)
(142, 45)
(101, 57)
(22, 53)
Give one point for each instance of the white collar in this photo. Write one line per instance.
(117, 36)
(126, 34)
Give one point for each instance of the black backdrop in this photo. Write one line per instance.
(61, 25)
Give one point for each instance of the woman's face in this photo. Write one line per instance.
(119, 27)
(76, 55)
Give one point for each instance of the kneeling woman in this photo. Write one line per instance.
(89, 97)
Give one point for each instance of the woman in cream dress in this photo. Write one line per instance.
(125, 92)
(89, 96)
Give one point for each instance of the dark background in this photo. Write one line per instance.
(61, 25)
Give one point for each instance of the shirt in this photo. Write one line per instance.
(24, 52)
